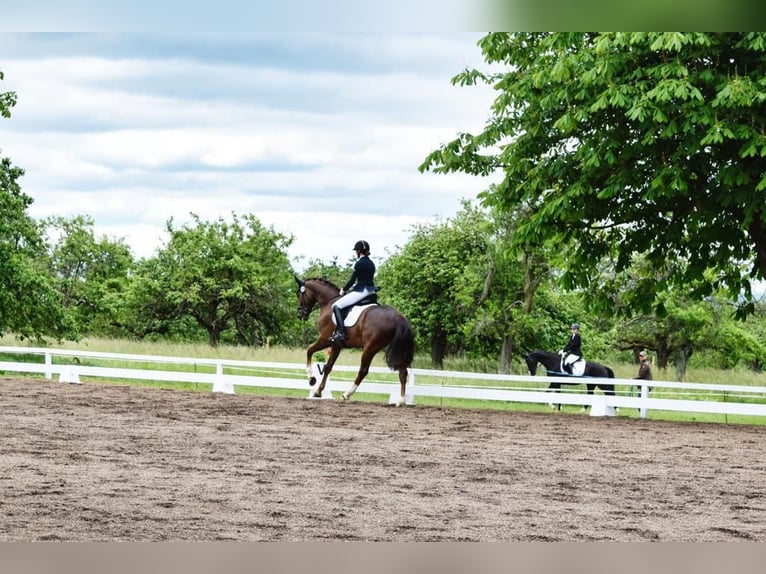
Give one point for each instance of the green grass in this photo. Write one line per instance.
(351, 358)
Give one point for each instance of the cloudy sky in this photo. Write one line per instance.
(317, 134)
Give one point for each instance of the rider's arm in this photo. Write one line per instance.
(350, 282)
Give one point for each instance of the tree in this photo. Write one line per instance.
(92, 274)
(425, 278)
(501, 287)
(628, 143)
(30, 306)
(232, 279)
(683, 328)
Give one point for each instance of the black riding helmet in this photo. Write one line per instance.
(362, 246)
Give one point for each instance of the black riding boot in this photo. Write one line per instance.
(340, 330)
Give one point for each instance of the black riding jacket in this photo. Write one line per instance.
(363, 276)
(573, 346)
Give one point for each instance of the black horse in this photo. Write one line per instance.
(552, 364)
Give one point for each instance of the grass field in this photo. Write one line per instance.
(351, 358)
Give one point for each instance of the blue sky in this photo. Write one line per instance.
(316, 133)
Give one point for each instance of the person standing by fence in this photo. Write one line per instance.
(644, 368)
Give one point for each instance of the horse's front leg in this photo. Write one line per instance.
(313, 348)
(332, 356)
(556, 388)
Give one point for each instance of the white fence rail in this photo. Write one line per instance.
(222, 374)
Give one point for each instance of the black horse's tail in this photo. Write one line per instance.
(609, 372)
(401, 350)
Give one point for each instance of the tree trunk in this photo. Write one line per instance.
(682, 359)
(662, 355)
(680, 365)
(213, 336)
(506, 354)
(438, 349)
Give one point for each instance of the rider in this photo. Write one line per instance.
(363, 282)
(571, 353)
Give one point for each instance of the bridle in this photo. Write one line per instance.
(304, 308)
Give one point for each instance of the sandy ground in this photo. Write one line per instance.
(112, 463)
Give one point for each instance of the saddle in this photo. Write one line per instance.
(352, 313)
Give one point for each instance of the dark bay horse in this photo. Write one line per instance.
(378, 327)
(552, 363)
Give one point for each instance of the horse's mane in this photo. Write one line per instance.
(323, 280)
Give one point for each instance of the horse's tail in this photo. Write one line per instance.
(401, 349)
(609, 372)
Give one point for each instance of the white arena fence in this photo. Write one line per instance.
(225, 374)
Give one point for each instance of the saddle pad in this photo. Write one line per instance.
(578, 368)
(578, 365)
(354, 314)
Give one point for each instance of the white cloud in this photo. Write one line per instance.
(327, 153)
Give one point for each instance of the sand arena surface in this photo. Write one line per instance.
(114, 463)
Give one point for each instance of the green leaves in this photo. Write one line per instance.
(627, 141)
(7, 100)
(232, 278)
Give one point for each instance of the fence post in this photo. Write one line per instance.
(409, 395)
(644, 412)
(48, 365)
(219, 385)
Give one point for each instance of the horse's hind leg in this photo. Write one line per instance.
(610, 390)
(589, 389)
(364, 368)
(403, 384)
(556, 387)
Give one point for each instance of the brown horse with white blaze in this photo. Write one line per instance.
(378, 327)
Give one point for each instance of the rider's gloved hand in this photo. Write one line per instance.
(342, 292)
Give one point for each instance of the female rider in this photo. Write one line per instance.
(363, 283)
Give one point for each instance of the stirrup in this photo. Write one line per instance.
(337, 336)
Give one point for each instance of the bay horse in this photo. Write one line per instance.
(378, 327)
(552, 363)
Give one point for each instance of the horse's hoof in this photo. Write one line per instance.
(344, 397)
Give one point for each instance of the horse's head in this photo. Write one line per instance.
(306, 300)
(313, 292)
(531, 364)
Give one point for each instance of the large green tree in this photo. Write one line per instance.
(624, 143)
(426, 279)
(233, 279)
(501, 288)
(92, 274)
(30, 306)
(684, 327)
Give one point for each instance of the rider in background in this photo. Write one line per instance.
(571, 353)
(361, 283)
